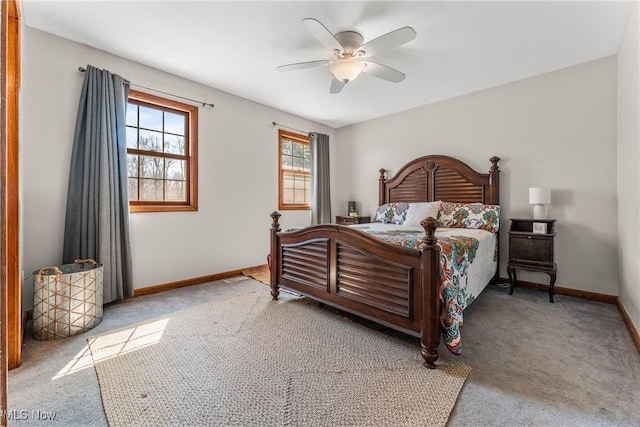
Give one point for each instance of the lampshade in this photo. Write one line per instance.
(539, 196)
(346, 69)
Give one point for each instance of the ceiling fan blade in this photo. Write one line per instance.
(388, 41)
(336, 86)
(302, 65)
(383, 72)
(321, 33)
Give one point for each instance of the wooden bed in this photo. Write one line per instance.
(392, 285)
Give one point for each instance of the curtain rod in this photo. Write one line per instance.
(204, 104)
(289, 127)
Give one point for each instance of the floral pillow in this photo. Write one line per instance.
(392, 213)
(470, 215)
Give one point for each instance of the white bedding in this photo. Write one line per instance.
(483, 267)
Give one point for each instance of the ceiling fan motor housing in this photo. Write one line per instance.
(350, 41)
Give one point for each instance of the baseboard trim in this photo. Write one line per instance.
(578, 293)
(188, 282)
(630, 326)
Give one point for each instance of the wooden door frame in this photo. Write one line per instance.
(10, 289)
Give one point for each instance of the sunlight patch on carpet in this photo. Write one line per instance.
(122, 342)
(113, 345)
(80, 361)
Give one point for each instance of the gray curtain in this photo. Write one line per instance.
(320, 188)
(97, 220)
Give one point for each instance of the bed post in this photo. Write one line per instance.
(274, 262)
(381, 193)
(430, 325)
(494, 182)
(494, 199)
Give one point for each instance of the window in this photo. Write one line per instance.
(294, 171)
(162, 154)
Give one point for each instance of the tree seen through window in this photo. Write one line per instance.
(160, 157)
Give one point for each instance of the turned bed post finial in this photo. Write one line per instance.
(275, 216)
(381, 193)
(430, 224)
(273, 256)
(430, 316)
(494, 164)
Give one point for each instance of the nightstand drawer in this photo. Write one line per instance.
(350, 220)
(531, 249)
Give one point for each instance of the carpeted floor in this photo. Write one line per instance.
(248, 361)
(571, 363)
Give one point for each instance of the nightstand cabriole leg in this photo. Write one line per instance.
(553, 281)
(512, 278)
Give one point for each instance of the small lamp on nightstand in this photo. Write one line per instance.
(352, 208)
(539, 197)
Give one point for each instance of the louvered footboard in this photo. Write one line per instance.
(352, 271)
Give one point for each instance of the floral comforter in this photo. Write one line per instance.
(456, 255)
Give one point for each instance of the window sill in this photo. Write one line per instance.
(294, 208)
(163, 208)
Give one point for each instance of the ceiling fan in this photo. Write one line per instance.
(350, 52)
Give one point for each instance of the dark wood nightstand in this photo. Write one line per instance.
(350, 220)
(532, 251)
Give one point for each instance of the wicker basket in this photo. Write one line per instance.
(67, 299)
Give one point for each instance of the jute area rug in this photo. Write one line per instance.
(250, 361)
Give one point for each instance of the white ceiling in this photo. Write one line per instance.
(236, 46)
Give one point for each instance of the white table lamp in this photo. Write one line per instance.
(539, 197)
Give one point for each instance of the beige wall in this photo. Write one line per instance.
(628, 208)
(556, 130)
(238, 172)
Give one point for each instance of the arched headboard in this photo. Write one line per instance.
(436, 177)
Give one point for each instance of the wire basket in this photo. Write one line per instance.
(67, 299)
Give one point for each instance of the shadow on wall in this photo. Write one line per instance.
(580, 253)
(560, 200)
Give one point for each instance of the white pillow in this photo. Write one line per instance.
(419, 211)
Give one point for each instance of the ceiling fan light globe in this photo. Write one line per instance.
(346, 69)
